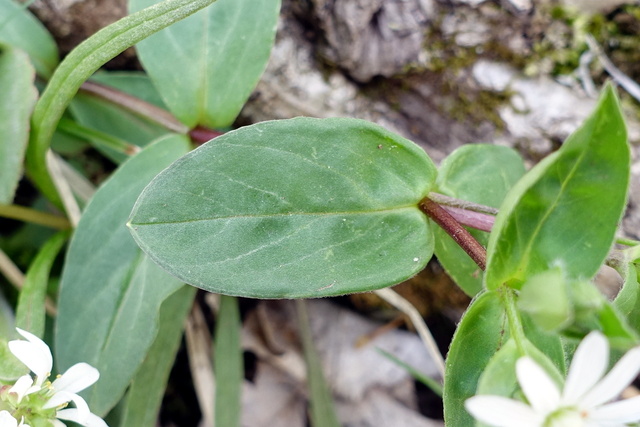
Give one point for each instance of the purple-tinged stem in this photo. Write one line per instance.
(454, 229)
(471, 219)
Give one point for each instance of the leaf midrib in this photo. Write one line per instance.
(288, 214)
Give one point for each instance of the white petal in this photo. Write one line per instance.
(91, 420)
(34, 353)
(62, 397)
(7, 420)
(57, 423)
(76, 378)
(540, 390)
(500, 411)
(589, 364)
(624, 411)
(22, 386)
(620, 376)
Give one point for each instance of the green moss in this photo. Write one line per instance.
(557, 41)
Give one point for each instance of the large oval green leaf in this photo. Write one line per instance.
(566, 209)
(293, 208)
(110, 292)
(206, 66)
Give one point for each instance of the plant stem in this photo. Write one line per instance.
(201, 134)
(462, 204)
(454, 229)
(31, 215)
(135, 105)
(627, 242)
(515, 325)
(99, 138)
(472, 219)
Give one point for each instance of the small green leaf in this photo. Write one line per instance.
(148, 386)
(545, 299)
(17, 98)
(627, 301)
(615, 327)
(566, 209)
(499, 376)
(30, 313)
(479, 173)
(19, 28)
(289, 209)
(206, 66)
(108, 282)
(594, 312)
(228, 364)
(544, 347)
(478, 337)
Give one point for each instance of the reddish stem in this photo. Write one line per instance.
(460, 235)
(472, 219)
(200, 134)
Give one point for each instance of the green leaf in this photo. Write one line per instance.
(544, 347)
(290, 209)
(479, 173)
(627, 301)
(322, 410)
(499, 377)
(566, 209)
(478, 337)
(544, 297)
(80, 64)
(10, 367)
(134, 83)
(228, 364)
(30, 313)
(107, 117)
(110, 293)
(17, 97)
(206, 66)
(147, 389)
(615, 327)
(19, 28)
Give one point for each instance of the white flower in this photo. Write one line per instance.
(582, 402)
(35, 354)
